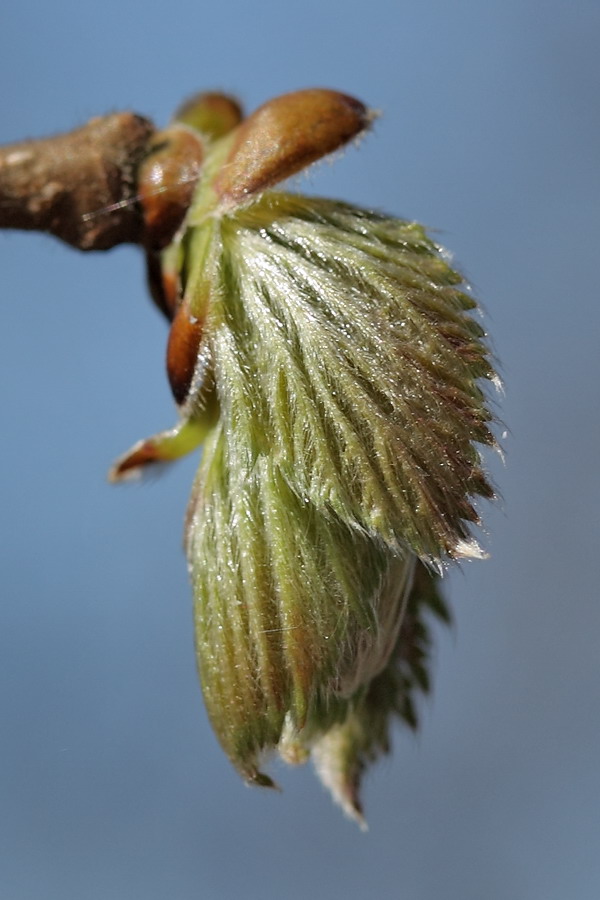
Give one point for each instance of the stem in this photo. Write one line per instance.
(79, 186)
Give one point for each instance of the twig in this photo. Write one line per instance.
(79, 186)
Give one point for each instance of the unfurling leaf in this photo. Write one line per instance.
(329, 359)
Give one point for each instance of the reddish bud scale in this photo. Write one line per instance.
(162, 284)
(214, 115)
(182, 351)
(284, 136)
(143, 455)
(166, 182)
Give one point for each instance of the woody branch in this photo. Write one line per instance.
(79, 186)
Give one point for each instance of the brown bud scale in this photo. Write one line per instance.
(182, 351)
(284, 136)
(166, 183)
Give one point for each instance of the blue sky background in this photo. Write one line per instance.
(112, 786)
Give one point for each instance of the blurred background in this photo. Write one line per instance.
(111, 782)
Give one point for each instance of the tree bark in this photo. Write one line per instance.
(79, 186)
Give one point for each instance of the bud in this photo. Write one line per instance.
(284, 136)
(166, 182)
(329, 359)
(212, 114)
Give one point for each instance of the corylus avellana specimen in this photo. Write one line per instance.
(328, 360)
